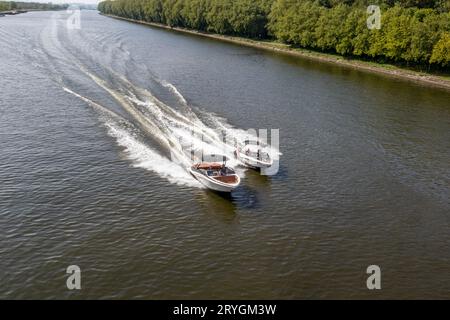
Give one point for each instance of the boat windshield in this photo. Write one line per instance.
(251, 142)
(258, 155)
(226, 171)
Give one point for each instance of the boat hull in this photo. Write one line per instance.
(213, 185)
(252, 162)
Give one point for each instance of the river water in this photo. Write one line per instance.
(87, 178)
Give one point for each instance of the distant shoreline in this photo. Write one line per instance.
(389, 70)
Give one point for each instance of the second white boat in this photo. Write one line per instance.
(254, 154)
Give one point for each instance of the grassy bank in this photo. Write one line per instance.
(441, 81)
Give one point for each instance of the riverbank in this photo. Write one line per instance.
(386, 69)
(12, 12)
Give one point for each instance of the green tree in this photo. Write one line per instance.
(441, 51)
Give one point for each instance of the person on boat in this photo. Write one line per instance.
(223, 170)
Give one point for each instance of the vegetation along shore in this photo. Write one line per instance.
(14, 7)
(413, 41)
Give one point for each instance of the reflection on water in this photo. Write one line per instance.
(219, 205)
(226, 204)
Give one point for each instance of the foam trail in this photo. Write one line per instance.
(138, 152)
(172, 88)
(181, 99)
(193, 120)
(199, 137)
(171, 118)
(160, 109)
(239, 134)
(147, 124)
(94, 104)
(145, 157)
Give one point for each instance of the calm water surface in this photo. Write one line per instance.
(364, 176)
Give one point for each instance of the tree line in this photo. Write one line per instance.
(413, 32)
(13, 5)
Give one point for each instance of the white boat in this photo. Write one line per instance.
(254, 154)
(215, 176)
